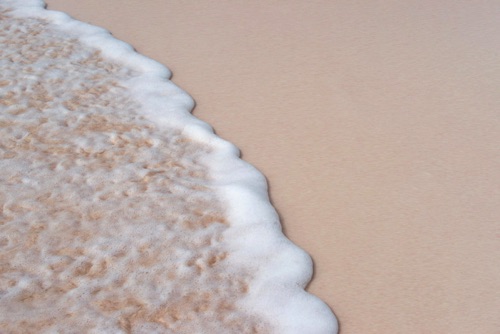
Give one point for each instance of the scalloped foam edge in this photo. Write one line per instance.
(283, 269)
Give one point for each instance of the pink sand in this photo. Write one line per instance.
(377, 126)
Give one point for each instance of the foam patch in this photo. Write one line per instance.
(119, 211)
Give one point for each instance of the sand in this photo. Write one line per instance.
(377, 126)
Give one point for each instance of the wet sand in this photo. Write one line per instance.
(377, 127)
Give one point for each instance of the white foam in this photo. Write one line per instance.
(280, 269)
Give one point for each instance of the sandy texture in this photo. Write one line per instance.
(377, 126)
(107, 222)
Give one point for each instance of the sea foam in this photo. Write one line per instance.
(121, 212)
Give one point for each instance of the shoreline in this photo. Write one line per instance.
(375, 127)
(133, 212)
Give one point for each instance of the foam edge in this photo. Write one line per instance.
(282, 269)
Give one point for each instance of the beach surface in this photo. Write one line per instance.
(377, 125)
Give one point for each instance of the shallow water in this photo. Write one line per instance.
(120, 211)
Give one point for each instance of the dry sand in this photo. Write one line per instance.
(377, 125)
